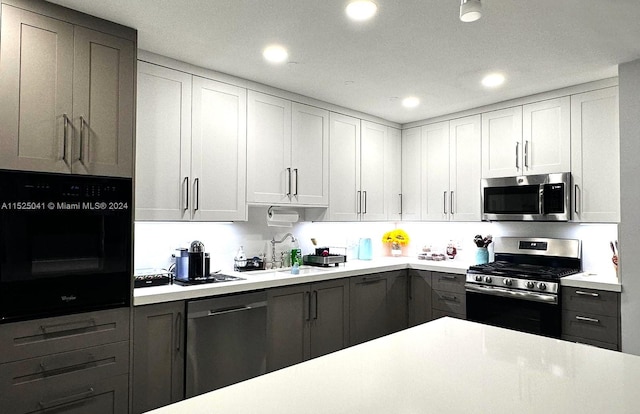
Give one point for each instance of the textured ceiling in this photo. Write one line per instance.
(411, 47)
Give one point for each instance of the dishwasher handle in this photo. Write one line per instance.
(224, 311)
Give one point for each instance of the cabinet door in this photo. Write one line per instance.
(310, 155)
(393, 174)
(36, 84)
(218, 151)
(268, 149)
(595, 156)
(163, 144)
(419, 297)
(546, 136)
(374, 166)
(158, 355)
(436, 197)
(288, 315)
(103, 103)
(329, 316)
(344, 169)
(464, 169)
(412, 174)
(502, 143)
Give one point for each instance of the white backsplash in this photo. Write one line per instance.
(156, 241)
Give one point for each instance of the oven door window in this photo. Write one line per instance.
(518, 314)
(523, 199)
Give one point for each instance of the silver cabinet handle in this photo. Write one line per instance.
(587, 319)
(449, 298)
(575, 198)
(81, 154)
(359, 202)
(68, 326)
(445, 203)
(186, 193)
(400, 204)
(364, 193)
(196, 184)
(66, 399)
(451, 203)
(371, 279)
(289, 185)
(178, 330)
(517, 155)
(526, 154)
(307, 298)
(296, 192)
(592, 294)
(447, 277)
(65, 134)
(315, 306)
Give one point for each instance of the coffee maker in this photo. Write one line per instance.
(193, 265)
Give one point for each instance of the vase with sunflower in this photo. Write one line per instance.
(396, 239)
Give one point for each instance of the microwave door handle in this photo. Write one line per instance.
(541, 207)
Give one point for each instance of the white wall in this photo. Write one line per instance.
(155, 242)
(629, 83)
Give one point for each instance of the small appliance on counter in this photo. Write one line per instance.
(198, 267)
(151, 277)
(323, 257)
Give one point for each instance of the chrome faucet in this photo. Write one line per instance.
(273, 247)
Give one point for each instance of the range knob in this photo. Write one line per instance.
(531, 285)
(478, 278)
(507, 282)
(487, 279)
(542, 286)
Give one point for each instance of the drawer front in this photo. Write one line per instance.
(590, 326)
(591, 301)
(102, 396)
(29, 339)
(449, 282)
(51, 380)
(437, 314)
(449, 302)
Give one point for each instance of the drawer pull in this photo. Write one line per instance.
(68, 326)
(448, 277)
(67, 399)
(587, 319)
(593, 295)
(449, 298)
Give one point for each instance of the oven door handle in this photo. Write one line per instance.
(496, 291)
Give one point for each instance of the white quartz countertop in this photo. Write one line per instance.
(444, 366)
(269, 278)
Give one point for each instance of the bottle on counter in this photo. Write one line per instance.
(241, 258)
(296, 253)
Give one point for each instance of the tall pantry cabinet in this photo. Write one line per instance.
(67, 92)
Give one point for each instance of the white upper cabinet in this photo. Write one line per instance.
(68, 97)
(436, 197)
(526, 140)
(191, 147)
(287, 150)
(546, 131)
(502, 143)
(393, 175)
(374, 166)
(218, 151)
(595, 156)
(345, 196)
(451, 177)
(464, 169)
(412, 174)
(163, 144)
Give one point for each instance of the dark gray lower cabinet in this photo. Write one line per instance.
(420, 300)
(306, 321)
(158, 355)
(378, 305)
(69, 364)
(448, 295)
(591, 316)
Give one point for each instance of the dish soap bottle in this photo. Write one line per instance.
(241, 258)
(296, 253)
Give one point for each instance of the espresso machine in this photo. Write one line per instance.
(193, 265)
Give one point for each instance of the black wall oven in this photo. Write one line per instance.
(65, 244)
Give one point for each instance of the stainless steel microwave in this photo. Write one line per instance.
(544, 197)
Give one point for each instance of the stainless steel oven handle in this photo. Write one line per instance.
(506, 293)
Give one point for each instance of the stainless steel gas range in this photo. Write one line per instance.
(521, 288)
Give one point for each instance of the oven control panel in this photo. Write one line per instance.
(512, 283)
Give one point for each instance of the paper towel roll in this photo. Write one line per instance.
(281, 218)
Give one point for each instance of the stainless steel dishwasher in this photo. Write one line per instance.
(226, 341)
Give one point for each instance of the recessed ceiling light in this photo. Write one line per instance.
(275, 54)
(410, 102)
(361, 10)
(470, 10)
(493, 80)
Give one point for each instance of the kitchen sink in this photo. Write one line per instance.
(307, 270)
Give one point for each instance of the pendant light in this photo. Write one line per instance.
(470, 10)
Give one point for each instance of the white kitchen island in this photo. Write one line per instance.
(444, 366)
